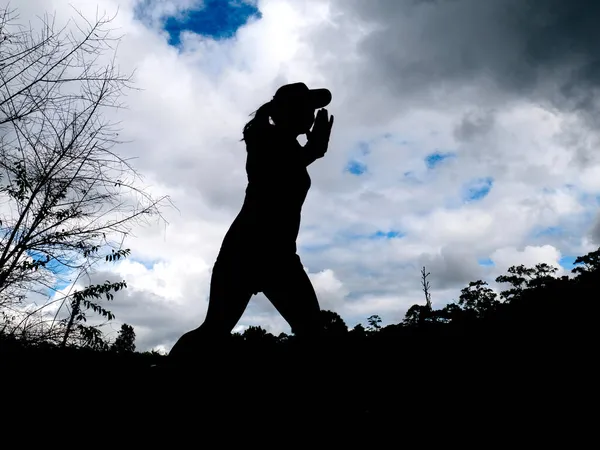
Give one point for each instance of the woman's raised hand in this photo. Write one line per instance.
(318, 137)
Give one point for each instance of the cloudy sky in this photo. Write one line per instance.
(464, 141)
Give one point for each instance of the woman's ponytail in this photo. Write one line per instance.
(259, 121)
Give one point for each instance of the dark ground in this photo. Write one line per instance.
(526, 375)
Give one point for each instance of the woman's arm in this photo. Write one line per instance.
(318, 138)
(311, 153)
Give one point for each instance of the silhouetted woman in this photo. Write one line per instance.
(258, 253)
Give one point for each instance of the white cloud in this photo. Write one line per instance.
(529, 256)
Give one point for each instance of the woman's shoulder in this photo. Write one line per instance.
(261, 135)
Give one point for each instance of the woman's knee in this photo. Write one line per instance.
(214, 327)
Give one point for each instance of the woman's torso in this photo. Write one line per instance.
(278, 183)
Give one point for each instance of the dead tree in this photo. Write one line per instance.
(426, 286)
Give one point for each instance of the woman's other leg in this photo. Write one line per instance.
(289, 289)
(230, 293)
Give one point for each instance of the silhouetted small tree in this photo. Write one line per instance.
(283, 338)
(374, 322)
(358, 331)
(125, 341)
(257, 335)
(451, 312)
(479, 298)
(521, 278)
(587, 264)
(333, 324)
(417, 314)
(91, 338)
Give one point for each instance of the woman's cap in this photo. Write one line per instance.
(298, 93)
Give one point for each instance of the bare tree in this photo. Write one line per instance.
(426, 286)
(418, 314)
(66, 198)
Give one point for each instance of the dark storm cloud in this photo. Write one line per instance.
(451, 268)
(544, 50)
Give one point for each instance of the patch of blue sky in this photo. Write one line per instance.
(216, 19)
(148, 264)
(386, 235)
(356, 167)
(435, 159)
(486, 262)
(343, 238)
(59, 270)
(378, 235)
(364, 148)
(567, 262)
(588, 199)
(53, 265)
(549, 231)
(61, 283)
(477, 189)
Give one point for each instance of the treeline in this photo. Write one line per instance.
(533, 298)
(534, 301)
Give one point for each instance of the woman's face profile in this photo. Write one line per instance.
(299, 118)
(306, 119)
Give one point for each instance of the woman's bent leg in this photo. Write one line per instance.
(289, 289)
